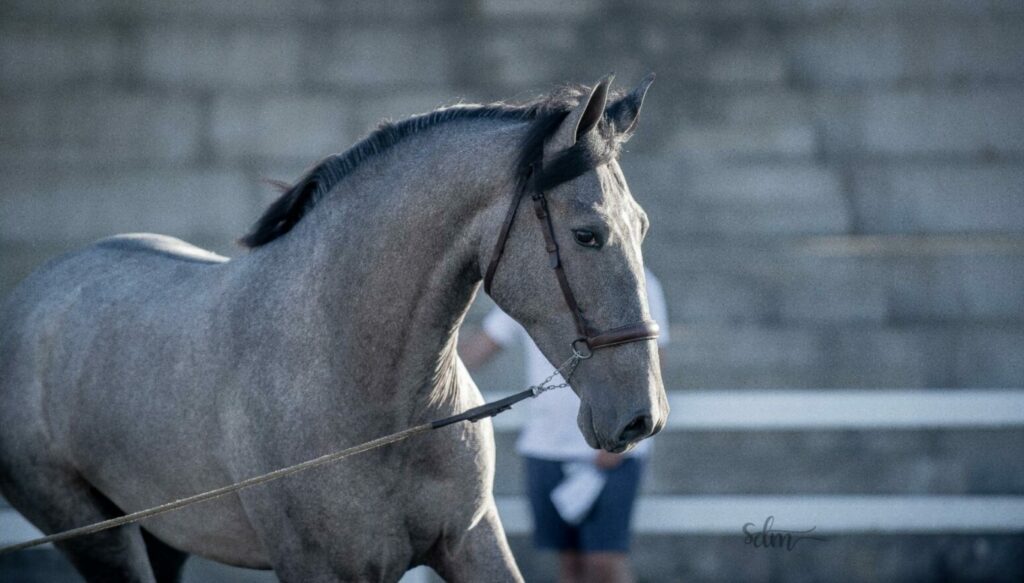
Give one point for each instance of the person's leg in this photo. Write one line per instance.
(570, 567)
(550, 532)
(607, 568)
(605, 533)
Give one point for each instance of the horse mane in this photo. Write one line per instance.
(544, 114)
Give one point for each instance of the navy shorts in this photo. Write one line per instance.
(606, 527)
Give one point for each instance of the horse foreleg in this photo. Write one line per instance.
(481, 554)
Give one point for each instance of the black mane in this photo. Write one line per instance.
(544, 114)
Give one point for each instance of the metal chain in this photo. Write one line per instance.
(570, 363)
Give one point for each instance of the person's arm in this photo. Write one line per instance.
(497, 331)
(478, 349)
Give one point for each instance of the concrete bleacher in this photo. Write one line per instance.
(911, 483)
(836, 189)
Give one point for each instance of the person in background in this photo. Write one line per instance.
(596, 548)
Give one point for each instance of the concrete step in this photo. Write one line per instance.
(890, 197)
(819, 442)
(659, 558)
(693, 198)
(773, 410)
(855, 53)
(753, 356)
(931, 311)
(853, 558)
(716, 539)
(870, 461)
(736, 143)
(69, 209)
(92, 127)
(827, 514)
(808, 356)
(771, 180)
(843, 279)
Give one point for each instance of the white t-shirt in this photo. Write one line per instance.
(550, 431)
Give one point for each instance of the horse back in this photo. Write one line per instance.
(60, 320)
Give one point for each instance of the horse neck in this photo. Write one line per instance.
(386, 265)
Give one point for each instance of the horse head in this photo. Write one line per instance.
(594, 229)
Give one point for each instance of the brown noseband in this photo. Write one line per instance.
(588, 337)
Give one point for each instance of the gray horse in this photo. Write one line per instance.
(143, 369)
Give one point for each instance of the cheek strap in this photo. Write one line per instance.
(646, 330)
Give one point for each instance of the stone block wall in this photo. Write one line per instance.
(818, 170)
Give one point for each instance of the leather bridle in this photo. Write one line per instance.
(588, 339)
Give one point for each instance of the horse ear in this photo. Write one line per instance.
(624, 112)
(583, 118)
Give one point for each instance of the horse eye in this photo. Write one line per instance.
(586, 238)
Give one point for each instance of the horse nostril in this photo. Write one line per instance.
(638, 428)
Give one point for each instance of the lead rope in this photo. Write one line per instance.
(473, 415)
